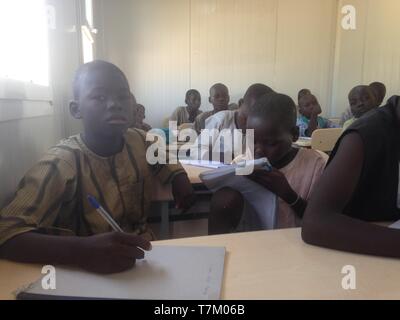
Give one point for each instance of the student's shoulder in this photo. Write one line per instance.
(204, 115)
(313, 156)
(135, 137)
(221, 117)
(66, 153)
(375, 127)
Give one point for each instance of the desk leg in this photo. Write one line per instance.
(164, 220)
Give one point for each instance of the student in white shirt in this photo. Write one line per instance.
(225, 122)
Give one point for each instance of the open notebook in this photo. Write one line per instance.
(395, 225)
(166, 273)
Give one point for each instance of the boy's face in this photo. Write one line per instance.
(271, 139)
(243, 112)
(307, 104)
(361, 101)
(104, 102)
(219, 98)
(194, 101)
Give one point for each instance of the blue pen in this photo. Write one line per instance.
(92, 200)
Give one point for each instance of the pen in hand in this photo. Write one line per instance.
(92, 200)
(95, 204)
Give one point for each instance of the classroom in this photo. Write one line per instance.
(200, 150)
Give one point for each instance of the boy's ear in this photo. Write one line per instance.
(209, 100)
(295, 133)
(75, 110)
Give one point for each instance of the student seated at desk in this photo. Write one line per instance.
(309, 119)
(219, 98)
(139, 114)
(379, 90)
(229, 120)
(360, 184)
(273, 119)
(189, 113)
(362, 100)
(50, 220)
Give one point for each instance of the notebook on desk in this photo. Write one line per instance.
(166, 273)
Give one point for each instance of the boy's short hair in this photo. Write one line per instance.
(216, 85)
(256, 91)
(378, 85)
(302, 93)
(84, 69)
(276, 107)
(191, 92)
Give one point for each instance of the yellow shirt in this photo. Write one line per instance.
(52, 197)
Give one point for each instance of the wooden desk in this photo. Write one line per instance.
(270, 265)
(303, 143)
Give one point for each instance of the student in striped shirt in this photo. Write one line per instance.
(50, 220)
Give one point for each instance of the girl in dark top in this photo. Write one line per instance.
(361, 182)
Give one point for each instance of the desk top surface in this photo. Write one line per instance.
(270, 265)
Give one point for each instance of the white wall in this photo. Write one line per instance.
(369, 53)
(168, 46)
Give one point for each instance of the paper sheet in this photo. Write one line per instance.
(167, 272)
(395, 225)
(203, 163)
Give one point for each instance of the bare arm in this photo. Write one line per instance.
(276, 182)
(312, 125)
(104, 253)
(325, 225)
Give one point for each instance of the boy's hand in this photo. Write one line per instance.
(317, 110)
(110, 252)
(276, 182)
(183, 192)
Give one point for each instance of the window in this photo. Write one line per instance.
(24, 54)
(88, 32)
(24, 60)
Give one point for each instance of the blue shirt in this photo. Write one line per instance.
(303, 122)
